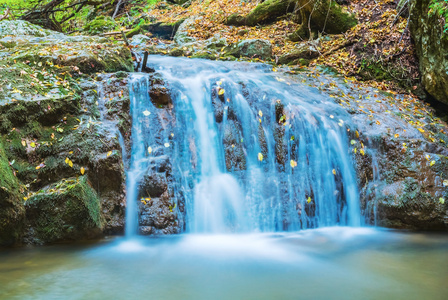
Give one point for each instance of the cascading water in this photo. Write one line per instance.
(249, 150)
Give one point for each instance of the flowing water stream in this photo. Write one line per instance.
(263, 186)
(250, 151)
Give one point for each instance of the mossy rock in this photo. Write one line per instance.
(235, 20)
(269, 11)
(204, 55)
(11, 203)
(88, 55)
(68, 210)
(99, 25)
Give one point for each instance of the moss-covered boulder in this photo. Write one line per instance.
(87, 56)
(11, 203)
(269, 10)
(431, 43)
(68, 210)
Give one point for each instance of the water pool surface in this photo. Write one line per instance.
(325, 263)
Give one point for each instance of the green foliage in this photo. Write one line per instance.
(440, 7)
(100, 24)
(16, 6)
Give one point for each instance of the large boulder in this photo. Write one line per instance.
(431, 44)
(23, 28)
(26, 42)
(47, 140)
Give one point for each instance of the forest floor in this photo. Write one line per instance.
(377, 50)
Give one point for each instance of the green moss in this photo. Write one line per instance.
(67, 210)
(204, 55)
(267, 11)
(134, 31)
(11, 205)
(99, 25)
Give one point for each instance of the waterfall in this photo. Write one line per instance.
(249, 149)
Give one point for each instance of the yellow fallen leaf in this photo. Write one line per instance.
(260, 157)
(109, 153)
(82, 170)
(260, 113)
(293, 163)
(357, 134)
(442, 200)
(308, 200)
(70, 163)
(334, 172)
(221, 92)
(432, 163)
(421, 130)
(396, 135)
(445, 182)
(23, 143)
(361, 151)
(32, 144)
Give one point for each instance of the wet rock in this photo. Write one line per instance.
(159, 92)
(153, 185)
(233, 148)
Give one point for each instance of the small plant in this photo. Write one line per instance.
(440, 7)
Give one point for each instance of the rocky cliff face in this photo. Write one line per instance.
(431, 45)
